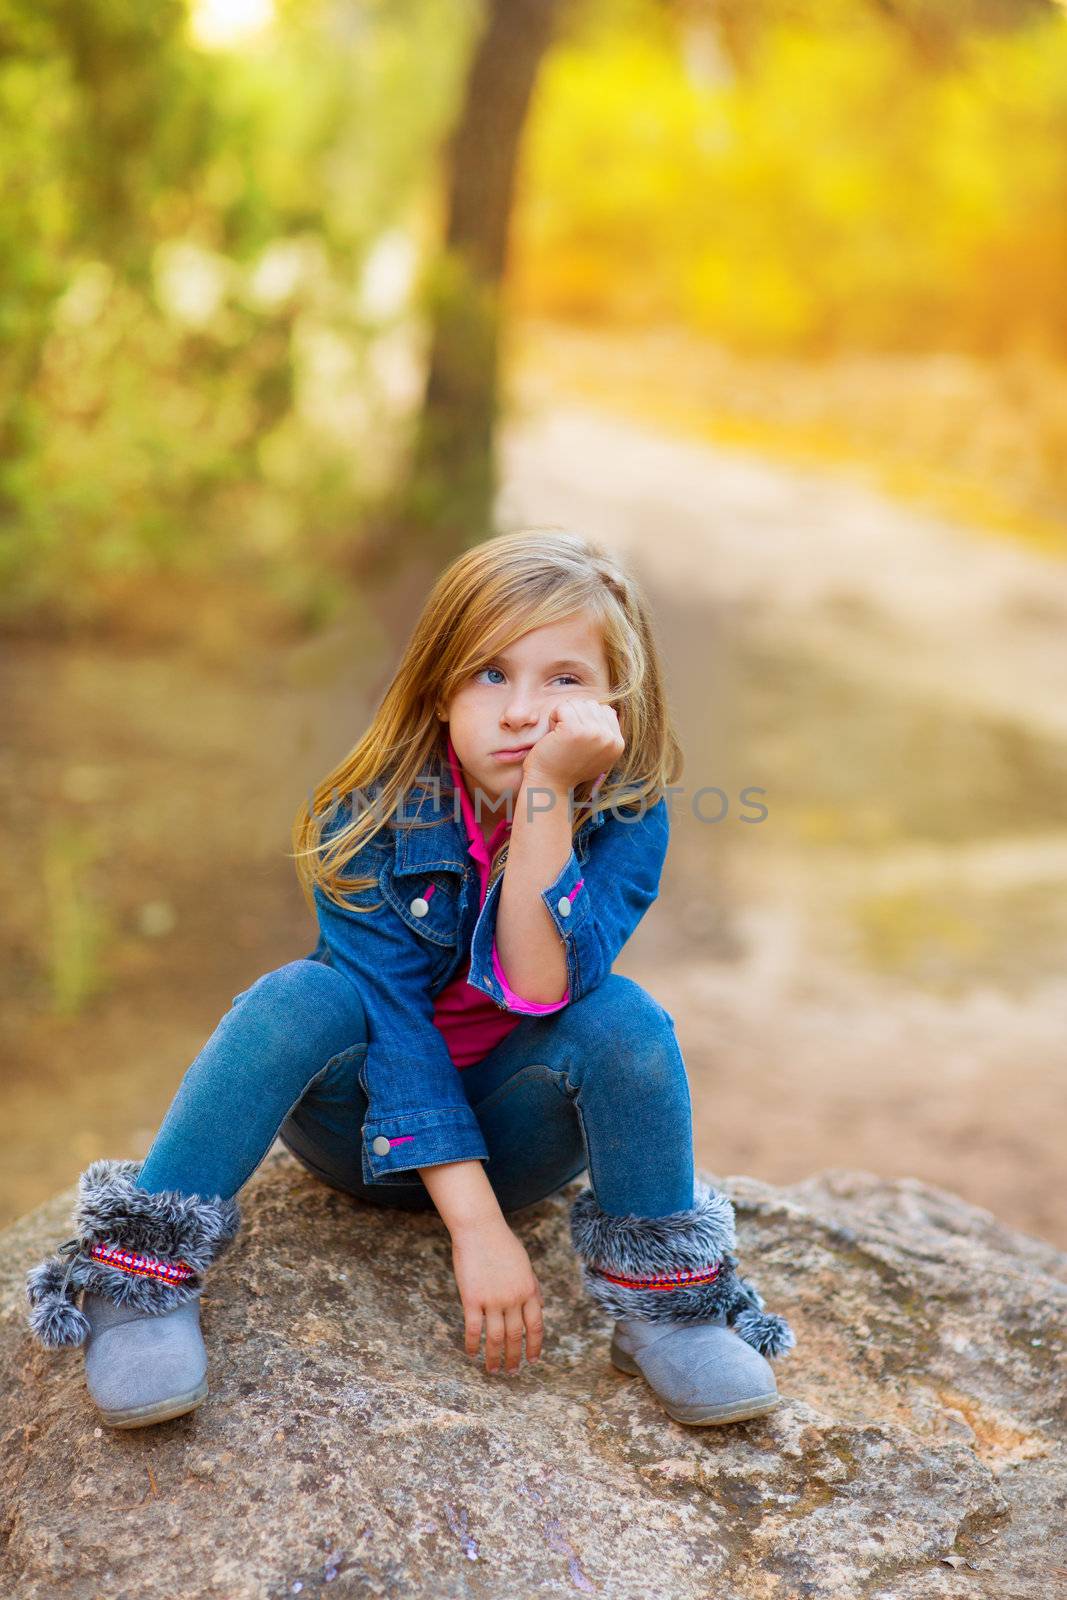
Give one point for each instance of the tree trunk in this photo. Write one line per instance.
(446, 503)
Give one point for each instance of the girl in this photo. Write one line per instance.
(457, 1039)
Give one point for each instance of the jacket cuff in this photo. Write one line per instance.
(515, 1002)
(393, 1145)
(567, 898)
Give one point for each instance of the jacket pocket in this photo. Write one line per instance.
(427, 903)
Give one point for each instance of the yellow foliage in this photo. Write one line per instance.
(842, 191)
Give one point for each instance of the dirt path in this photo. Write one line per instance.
(873, 976)
(876, 975)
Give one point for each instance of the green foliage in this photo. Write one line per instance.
(199, 371)
(190, 378)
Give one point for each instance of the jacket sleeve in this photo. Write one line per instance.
(594, 904)
(418, 1114)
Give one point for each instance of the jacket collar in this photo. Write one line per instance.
(440, 842)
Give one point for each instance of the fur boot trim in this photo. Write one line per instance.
(770, 1335)
(185, 1231)
(680, 1268)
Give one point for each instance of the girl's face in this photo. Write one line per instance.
(505, 705)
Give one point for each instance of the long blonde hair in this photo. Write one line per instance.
(488, 597)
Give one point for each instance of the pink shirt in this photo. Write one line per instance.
(472, 1022)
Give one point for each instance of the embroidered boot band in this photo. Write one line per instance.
(142, 1266)
(664, 1280)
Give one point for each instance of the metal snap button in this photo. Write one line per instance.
(419, 906)
(564, 907)
(381, 1145)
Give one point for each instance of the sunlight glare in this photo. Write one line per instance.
(220, 24)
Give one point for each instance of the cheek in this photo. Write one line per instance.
(468, 709)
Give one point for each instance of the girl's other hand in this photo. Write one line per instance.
(498, 1286)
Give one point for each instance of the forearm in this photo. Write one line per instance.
(527, 943)
(463, 1196)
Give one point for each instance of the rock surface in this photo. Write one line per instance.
(350, 1447)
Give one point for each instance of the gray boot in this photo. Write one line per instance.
(702, 1371)
(139, 1259)
(141, 1369)
(686, 1320)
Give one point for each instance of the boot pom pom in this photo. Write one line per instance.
(57, 1321)
(771, 1335)
(54, 1318)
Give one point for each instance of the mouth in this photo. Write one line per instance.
(515, 751)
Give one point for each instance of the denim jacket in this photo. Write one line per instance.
(401, 955)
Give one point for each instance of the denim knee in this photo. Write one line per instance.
(316, 1002)
(633, 1034)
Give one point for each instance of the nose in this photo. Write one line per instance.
(521, 713)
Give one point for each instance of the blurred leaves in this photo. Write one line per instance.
(828, 186)
(216, 269)
(192, 375)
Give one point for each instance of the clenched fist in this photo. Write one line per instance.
(583, 741)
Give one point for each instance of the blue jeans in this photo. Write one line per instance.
(600, 1084)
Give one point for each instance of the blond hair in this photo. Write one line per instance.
(488, 597)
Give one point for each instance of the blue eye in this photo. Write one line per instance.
(560, 677)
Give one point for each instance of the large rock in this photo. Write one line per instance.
(350, 1446)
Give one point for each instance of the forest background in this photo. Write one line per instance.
(767, 291)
